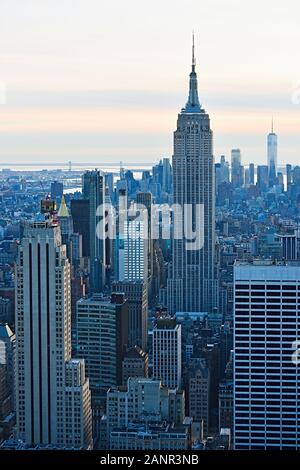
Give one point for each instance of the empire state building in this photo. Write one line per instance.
(192, 284)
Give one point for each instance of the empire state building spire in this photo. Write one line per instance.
(193, 284)
(193, 105)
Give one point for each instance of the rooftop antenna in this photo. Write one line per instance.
(193, 53)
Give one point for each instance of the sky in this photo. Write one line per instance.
(102, 82)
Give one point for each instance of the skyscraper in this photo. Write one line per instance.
(272, 155)
(57, 189)
(133, 251)
(251, 173)
(263, 177)
(266, 379)
(43, 348)
(193, 286)
(237, 170)
(81, 222)
(167, 352)
(167, 176)
(146, 200)
(102, 333)
(94, 191)
(289, 175)
(222, 171)
(137, 296)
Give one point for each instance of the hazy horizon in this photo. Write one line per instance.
(92, 81)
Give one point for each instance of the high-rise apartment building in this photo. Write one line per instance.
(266, 378)
(192, 286)
(43, 347)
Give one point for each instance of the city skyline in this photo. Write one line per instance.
(149, 307)
(69, 72)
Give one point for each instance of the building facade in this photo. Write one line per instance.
(167, 352)
(136, 293)
(266, 379)
(192, 286)
(272, 155)
(93, 189)
(102, 336)
(43, 347)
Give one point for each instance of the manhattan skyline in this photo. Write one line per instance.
(82, 84)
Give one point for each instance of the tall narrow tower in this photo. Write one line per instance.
(192, 286)
(43, 351)
(94, 192)
(272, 155)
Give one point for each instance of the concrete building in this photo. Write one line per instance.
(167, 352)
(78, 404)
(226, 404)
(143, 402)
(136, 294)
(133, 250)
(43, 347)
(266, 376)
(198, 392)
(93, 189)
(192, 285)
(152, 437)
(135, 364)
(102, 337)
